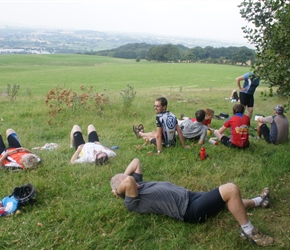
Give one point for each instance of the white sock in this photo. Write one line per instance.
(247, 228)
(257, 201)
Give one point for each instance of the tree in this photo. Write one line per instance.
(269, 32)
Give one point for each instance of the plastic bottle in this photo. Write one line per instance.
(213, 142)
(114, 147)
(202, 153)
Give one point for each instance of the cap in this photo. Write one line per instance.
(279, 109)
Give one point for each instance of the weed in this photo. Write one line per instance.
(12, 91)
(128, 95)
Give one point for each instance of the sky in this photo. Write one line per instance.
(206, 19)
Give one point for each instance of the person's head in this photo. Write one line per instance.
(101, 158)
(200, 115)
(116, 180)
(238, 108)
(208, 114)
(160, 105)
(279, 109)
(29, 160)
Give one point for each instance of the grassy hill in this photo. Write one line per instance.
(75, 208)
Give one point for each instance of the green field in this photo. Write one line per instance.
(75, 208)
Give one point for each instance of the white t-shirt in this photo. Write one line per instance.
(87, 153)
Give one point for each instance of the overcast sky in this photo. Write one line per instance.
(214, 19)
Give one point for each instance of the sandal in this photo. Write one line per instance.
(136, 131)
(141, 128)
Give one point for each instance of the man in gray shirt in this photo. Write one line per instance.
(177, 202)
(194, 130)
(278, 132)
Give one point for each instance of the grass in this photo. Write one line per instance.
(75, 208)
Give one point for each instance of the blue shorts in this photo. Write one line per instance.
(202, 205)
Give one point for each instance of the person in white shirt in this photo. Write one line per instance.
(92, 151)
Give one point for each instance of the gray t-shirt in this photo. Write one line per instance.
(159, 198)
(192, 129)
(279, 128)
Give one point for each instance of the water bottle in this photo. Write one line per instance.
(114, 147)
(202, 153)
(213, 142)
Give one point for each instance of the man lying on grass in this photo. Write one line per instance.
(15, 157)
(92, 151)
(177, 202)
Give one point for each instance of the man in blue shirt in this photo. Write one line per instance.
(251, 82)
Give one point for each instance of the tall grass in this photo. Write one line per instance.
(75, 208)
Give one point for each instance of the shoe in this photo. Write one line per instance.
(141, 128)
(257, 237)
(265, 195)
(136, 131)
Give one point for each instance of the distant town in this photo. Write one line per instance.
(23, 40)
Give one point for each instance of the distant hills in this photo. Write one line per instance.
(32, 40)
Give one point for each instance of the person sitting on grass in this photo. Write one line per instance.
(195, 129)
(179, 203)
(278, 132)
(209, 113)
(15, 157)
(167, 125)
(239, 125)
(234, 96)
(92, 151)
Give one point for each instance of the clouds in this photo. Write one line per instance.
(195, 18)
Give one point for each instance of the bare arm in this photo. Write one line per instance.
(159, 139)
(238, 81)
(134, 167)
(128, 187)
(181, 136)
(76, 154)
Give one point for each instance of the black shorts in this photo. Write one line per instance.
(265, 132)
(79, 139)
(247, 100)
(13, 142)
(202, 205)
(226, 141)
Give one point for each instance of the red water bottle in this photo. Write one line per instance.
(202, 153)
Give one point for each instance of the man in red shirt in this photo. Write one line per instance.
(239, 125)
(15, 157)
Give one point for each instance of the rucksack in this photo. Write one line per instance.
(20, 196)
(24, 194)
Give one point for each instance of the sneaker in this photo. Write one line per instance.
(265, 195)
(257, 237)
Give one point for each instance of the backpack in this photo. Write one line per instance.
(20, 196)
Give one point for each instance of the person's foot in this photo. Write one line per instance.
(258, 238)
(265, 195)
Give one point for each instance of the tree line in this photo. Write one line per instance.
(180, 53)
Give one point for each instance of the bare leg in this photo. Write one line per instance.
(148, 136)
(218, 135)
(75, 128)
(134, 167)
(230, 193)
(259, 129)
(250, 112)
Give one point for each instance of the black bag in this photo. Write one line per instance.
(24, 194)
